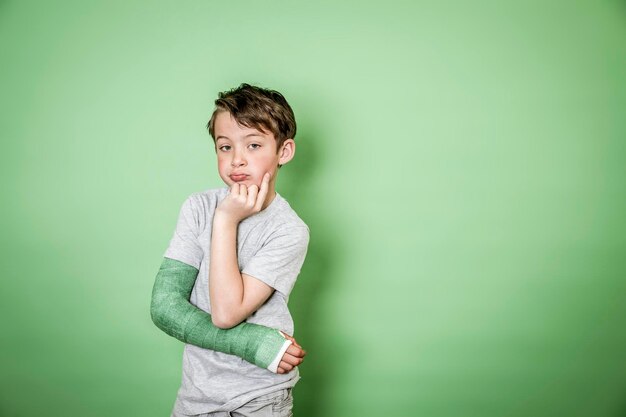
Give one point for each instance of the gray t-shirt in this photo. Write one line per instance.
(271, 246)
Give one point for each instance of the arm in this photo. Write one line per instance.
(172, 313)
(234, 296)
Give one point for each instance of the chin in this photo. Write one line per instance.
(247, 183)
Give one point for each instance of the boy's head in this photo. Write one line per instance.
(253, 130)
(259, 108)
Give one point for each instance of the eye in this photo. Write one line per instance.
(255, 145)
(224, 148)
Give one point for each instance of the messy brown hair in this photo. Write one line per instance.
(257, 108)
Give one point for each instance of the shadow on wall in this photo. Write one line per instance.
(311, 393)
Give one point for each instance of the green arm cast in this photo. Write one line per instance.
(172, 312)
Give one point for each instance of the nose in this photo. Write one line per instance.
(238, 159)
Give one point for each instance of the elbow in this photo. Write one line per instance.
(155, 314)
(224, 321)
(158, 313)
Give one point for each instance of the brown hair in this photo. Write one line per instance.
(257, 108)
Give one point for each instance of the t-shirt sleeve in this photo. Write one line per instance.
(184, 245)
(279, 260)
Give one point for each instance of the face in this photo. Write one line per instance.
(245, 154)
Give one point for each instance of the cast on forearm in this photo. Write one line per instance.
(172, 313)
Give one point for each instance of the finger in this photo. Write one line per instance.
(253, 191)
(234, 189)
(296, 351)
(243, 190)
(289, 337)
(285, 366)
(293, 340)
(265, 185)
(295, 344)
(291, 360)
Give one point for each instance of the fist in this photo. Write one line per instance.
(243, 201)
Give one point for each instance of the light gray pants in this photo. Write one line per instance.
(274, 404)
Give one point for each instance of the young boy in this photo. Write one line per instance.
(235, 254)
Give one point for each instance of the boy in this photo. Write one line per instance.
(241, 248)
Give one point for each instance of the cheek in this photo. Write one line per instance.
(269, 162)
(221, 162)
(222, 166)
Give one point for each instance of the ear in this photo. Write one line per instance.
(287, 151)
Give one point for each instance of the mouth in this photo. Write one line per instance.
(238, 177)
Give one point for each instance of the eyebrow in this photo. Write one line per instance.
(247, 136)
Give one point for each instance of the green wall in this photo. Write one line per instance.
(461, 166)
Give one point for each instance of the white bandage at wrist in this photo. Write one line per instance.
(274, 365)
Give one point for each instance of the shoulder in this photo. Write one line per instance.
(206, 200)
(199, 207)
(286, 220)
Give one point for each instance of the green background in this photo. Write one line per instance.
(461, 166)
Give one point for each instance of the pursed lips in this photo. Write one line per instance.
(238, 177)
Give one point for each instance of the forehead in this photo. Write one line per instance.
(226, 127)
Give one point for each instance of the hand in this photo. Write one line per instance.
(293, 356)
(243, 201)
